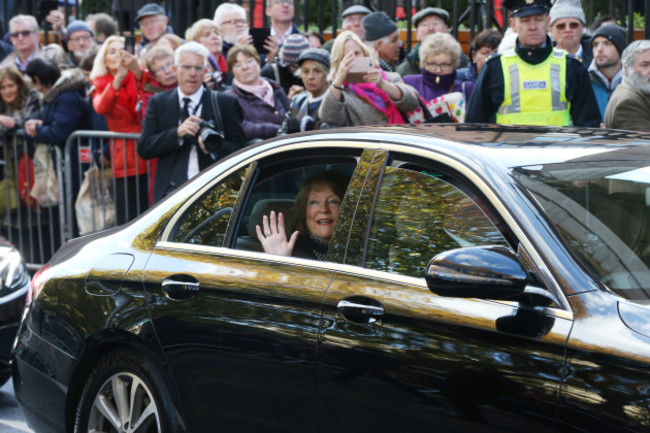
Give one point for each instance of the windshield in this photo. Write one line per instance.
(602, 209)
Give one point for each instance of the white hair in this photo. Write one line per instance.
(29, 19)
(192, 47)
(630, 53)
(225, 8)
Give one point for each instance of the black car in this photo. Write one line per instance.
(14, 284)
(475, 278)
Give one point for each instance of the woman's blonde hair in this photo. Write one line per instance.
(440, 43)
(99, 65)
(338, 51)
(156, 53)
(196, 31)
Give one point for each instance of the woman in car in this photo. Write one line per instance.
(317, 207)
(380, 98)
(263, 102)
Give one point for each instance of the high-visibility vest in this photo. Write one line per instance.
(534, 94)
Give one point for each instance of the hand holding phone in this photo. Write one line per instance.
(359, 67)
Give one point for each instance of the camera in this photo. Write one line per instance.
(212, 138)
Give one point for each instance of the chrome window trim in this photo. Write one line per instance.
(379, 142)
(333, 267)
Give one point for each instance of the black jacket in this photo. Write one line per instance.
(488, 93)
(160, 140)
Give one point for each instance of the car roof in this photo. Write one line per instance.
(507, 146)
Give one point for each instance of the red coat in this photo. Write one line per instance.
(119, 109)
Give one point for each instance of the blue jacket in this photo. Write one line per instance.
(603, 87)
(64, 111)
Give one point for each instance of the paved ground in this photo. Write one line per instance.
(11, 419)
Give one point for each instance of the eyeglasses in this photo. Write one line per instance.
(572, 26)
(235, 21)
(149, 21)
(441, 66)
(84, 38)
(164, 68)
(282, 2)
(188, 68)
(23, 33)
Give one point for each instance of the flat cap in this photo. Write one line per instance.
(148, 10)
(377, 25)
(318, 54)
(355, 10)
(430, 11)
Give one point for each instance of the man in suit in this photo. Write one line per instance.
(171, 123)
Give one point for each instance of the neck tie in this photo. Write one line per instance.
(186, 109)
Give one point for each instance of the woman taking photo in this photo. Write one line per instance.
(379, 97)
(317, 207)
(115, 76)
(263, 102)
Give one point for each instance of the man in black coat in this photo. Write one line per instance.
(171, 125)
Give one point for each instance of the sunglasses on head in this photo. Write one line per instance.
(23, 33)
(562, 26)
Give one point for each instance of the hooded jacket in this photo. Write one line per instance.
(603, 87)
(64, 111)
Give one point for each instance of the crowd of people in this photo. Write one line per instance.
(221, 78)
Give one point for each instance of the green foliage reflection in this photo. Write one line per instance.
(418, 216)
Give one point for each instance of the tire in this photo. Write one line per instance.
(125, 393)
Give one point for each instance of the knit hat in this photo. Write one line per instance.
(567, 9)
(318, 54)
(148, 10)
(613, 33)
(377, 25)
(291, 49)
(355, 10)
(77, 26)
(443, 14)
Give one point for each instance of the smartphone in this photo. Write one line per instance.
(360, 67)
(259, 38)
(129, 44)
(45, 8)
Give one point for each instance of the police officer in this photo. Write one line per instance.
(534, 83)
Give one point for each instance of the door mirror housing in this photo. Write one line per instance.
(485, 272)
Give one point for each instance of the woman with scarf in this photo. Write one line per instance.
(380, 98)
(263, 102)
(437, 83)
(206, 32)
(317, 207)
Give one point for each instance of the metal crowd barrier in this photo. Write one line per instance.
(38, 231)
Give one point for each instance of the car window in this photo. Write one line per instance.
(417, 215)
(276, 189)
(206, 221)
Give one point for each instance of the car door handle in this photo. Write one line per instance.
(180, 289)
(357, 310)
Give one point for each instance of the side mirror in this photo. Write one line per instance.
(486, 272)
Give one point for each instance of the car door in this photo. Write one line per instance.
(396, 357)
(239, 327)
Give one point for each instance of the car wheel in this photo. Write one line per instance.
(124, 393)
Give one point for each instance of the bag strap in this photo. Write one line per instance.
(214, 101)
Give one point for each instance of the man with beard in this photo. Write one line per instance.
(533, 83)
(382, 36)
(608, 42)
(629, 106)
(79, 40)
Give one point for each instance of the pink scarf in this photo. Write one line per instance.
(264, 91)
(378, 99)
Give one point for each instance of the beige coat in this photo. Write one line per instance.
(628, 109)
(354, 111)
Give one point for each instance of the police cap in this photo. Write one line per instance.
(523, 8)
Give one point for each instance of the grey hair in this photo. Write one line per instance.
(630, 53)
(225, 8)
(29, 19)
(441, 43)
(192, 47)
